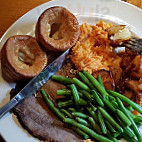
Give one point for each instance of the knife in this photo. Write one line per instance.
(35, 84)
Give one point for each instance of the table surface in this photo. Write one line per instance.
(11, 10)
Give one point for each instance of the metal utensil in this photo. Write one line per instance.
(35, 84)
(135, 44)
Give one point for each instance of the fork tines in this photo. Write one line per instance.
(135, 44)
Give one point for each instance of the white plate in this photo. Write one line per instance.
(89, 11)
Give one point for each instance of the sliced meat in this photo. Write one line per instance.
(106, 79)
(39, 120)
(42, 122)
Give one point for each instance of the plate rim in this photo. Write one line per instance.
(12, 25)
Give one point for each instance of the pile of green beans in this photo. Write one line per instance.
(94, 112)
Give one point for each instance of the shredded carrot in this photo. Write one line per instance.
(92, 52)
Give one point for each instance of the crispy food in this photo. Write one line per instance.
(92, 51)
(129, 94)
(135, 67)
(57, 29)
(119, 33)
(116, 73)
(136, 87)
(106, 79)
(22, 58)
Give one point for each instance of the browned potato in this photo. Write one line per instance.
(119, 33)
(128, 94)
(136, 87)
(115, 29)
(116, 73)
(106, 79)
(135, 67)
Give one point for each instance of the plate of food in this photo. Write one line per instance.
(96, 93)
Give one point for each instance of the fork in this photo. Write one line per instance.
(134, 43)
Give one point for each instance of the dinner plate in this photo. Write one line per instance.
(89, 11)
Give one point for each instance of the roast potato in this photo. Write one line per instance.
(135, 67)
(106, 79)
(119, 33)
(116, 73)
(136, 87)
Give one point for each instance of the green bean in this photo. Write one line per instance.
(138, 124)
(114, 103)
(86, 94)
(133, 126)
(127, 129)
(95, 126)
(108, 104)
(129, 139)
(75, 95)
(83, 102)
(97, 98)
(93, 107)
(71, 109)
(100, 80)
(131, 114)
(110, 119)
(62, 104)
(64, 92)
(87, 130)
(123, 117)
(85, 80)
(67, 92)
(112, 130)
(101, 122)
(96, 84)
(51, 105)
(111, 137)
(126, 100)
(92, 113)
(114, 139)
(111, 98)
(80, 132)
(80, 84)
(66, 113)
(138, 119)
(80, 114)
(129, 132)
(83, 121)
(62, 79)
(130, 108)
(116, 134)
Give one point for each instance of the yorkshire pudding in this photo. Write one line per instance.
(22, 58)
(57, 29)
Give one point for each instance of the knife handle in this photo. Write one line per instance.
(6, 108)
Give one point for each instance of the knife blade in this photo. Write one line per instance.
(35, 84)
